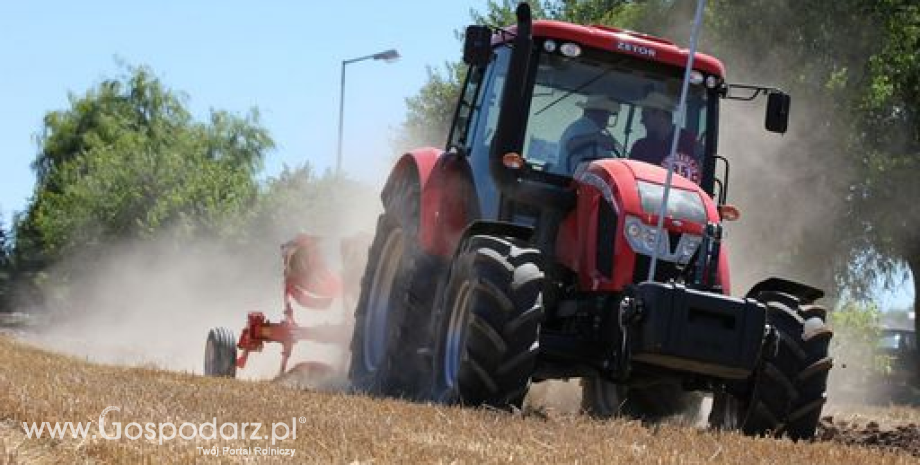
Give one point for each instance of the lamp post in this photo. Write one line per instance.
(388, 56)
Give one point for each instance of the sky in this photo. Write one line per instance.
(282, 57)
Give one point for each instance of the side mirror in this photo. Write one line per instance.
(477, 45)
(777, 112)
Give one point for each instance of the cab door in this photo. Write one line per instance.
(474, 125)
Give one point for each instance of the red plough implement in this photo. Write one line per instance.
(308, 283)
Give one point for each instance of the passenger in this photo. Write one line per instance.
(587, 137)
(655, 147)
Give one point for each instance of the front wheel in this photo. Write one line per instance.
(786, 394)
(488, 323)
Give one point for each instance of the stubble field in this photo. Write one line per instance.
(40, 386)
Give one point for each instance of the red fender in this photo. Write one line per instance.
(447, 203)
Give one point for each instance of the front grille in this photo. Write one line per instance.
(664, 270)
(673, 241)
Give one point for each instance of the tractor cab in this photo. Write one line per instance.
(589, 93)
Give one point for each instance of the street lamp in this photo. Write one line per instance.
(388, 56)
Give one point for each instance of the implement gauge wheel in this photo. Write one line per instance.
(220, 353)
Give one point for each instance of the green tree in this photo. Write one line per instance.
(4, 268)
(126, 160)
(300, 200)
(860, 360)
(431, 111)
(888, 118)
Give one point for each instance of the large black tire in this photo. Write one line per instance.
(220, 353)
(391, 318)
(603, 399)
(488, 324)
(788, 391)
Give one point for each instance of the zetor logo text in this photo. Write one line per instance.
(162, 432)
(636, 49)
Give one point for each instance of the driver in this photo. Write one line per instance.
(655, 147)
(587, 137)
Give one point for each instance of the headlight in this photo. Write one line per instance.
(682, 204)
(648, 239)
(633, 231)
(641, 238)
(696, 77)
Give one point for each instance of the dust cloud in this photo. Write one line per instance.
(555, 396)
(791, 196)
(151, 303)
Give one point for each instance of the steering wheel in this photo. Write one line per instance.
(593, 145)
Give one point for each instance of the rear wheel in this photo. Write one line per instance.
(604, 399)
(787, 392)
(220, 353)
(659, 401)
(488, 323)
(390, 318)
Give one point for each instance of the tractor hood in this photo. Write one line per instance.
(605, 239)
(638, 187)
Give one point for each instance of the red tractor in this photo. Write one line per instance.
(522, 252)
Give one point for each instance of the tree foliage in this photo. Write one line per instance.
(888, 114)
(127, 160)
(858, 330)
(126, 163)
(861, 363)
(430, 112)
(300, 200)
(5, 268)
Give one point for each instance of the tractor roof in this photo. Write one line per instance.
(624, 42)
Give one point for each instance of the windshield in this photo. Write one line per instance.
(602, 105)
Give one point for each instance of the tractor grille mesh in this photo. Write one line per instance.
(606, 236)
(664, 270)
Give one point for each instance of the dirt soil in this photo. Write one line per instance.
(902, 438)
